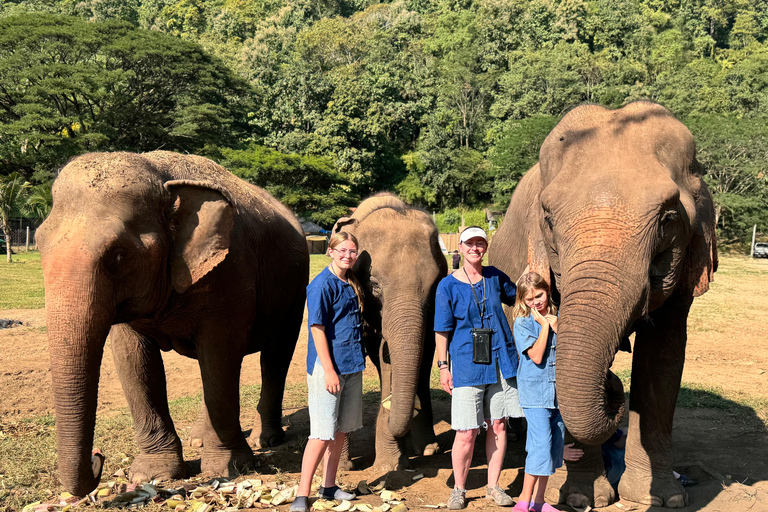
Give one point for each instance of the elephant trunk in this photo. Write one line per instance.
(403, 328)
(594, 315)
(78, 325)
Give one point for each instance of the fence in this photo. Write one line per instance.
(18, 238)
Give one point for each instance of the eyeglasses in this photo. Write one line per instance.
(344, 252)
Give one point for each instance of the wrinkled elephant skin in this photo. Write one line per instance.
(399, 266)
(165, 251)
(617, 216)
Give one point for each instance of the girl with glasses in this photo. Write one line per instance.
(335, 364)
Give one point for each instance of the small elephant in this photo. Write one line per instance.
(399, 266)
(166, 251)
(617, 216)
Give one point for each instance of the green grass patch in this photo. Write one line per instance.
(21, 282)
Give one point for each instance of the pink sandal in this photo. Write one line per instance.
(543, 507)
(521, 506)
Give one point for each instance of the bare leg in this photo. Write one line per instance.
(529, 482)
(495, 449)
(461, 455)
(313, 452)
(332, 454)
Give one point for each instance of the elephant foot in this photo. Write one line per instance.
(655, 489)
(228, 463)
(386, 464)
(197, 434)
(164, 466)
(431, 449)
(266, 437)
(579, 489)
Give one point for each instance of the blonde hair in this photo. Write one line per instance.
(339, 238)
(526, 283)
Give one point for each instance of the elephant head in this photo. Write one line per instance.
(121, 240)
(399, 266)
(624, 224)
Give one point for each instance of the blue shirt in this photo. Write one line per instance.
(535, 382)
(332, 302)
(457, 311)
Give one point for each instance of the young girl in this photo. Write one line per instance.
(335, 364)
(536, 338)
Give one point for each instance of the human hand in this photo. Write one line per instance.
(332, 382)
(552, 319)
(446, 380)
(539, 318)
(572, 454)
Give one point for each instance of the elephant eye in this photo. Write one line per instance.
(115, 259)
(667, 223)
(375, 287)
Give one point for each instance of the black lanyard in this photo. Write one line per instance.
(480, 310)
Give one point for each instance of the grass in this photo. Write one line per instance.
(21, 282)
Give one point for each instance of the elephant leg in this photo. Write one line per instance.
(657, 368)
(423, 435)
(390, 453)
(583, 482)
(225, 450)
(268, 430)
(140, 367)
(197, 434)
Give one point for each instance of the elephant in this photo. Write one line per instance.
(399, 267)
(166, 251)
(617, 217)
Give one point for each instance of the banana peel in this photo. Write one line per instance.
(344, 506)
(387, 404)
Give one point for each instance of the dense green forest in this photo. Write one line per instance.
(323, 102)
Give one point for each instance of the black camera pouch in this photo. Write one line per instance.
(481, 346)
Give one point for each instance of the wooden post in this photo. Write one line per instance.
(752, 247)
(27, 239)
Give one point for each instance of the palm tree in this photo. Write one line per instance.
(40, 201)
(12, 199)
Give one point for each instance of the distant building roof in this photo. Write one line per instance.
(310, 228)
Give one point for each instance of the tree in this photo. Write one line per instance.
(39, 202)
(68, 86)
(12, 196)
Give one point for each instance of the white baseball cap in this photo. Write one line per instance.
(472, 232)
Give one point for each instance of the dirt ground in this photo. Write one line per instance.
(725, 452)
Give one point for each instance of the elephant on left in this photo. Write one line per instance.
(166, 251)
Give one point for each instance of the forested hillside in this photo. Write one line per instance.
(445, 102)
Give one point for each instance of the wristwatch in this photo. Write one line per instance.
(440, 363)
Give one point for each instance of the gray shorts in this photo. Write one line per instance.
(473, 407)
(329, 413)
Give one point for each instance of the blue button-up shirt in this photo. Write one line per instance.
(456, 311)
(535, 382)
(332, 302)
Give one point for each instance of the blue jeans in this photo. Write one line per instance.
(544, 444)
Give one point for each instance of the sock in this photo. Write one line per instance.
(328, 491)
(300, 503)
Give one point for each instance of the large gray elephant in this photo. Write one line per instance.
(165, 251)
(616, 214)
(399, 266)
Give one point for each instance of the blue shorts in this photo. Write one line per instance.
(329, 413)
(473, 407)
(545, 440)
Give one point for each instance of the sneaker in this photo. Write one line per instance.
(498, 495)
(300, 504)
(457, 499)
(334, 493)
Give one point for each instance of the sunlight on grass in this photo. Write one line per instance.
(21, 282)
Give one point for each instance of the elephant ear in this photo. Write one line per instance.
(202, 217)
(702, 250)
(343, 221)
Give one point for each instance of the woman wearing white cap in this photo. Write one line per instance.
(470, 326)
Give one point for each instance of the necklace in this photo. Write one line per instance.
(337, 275)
